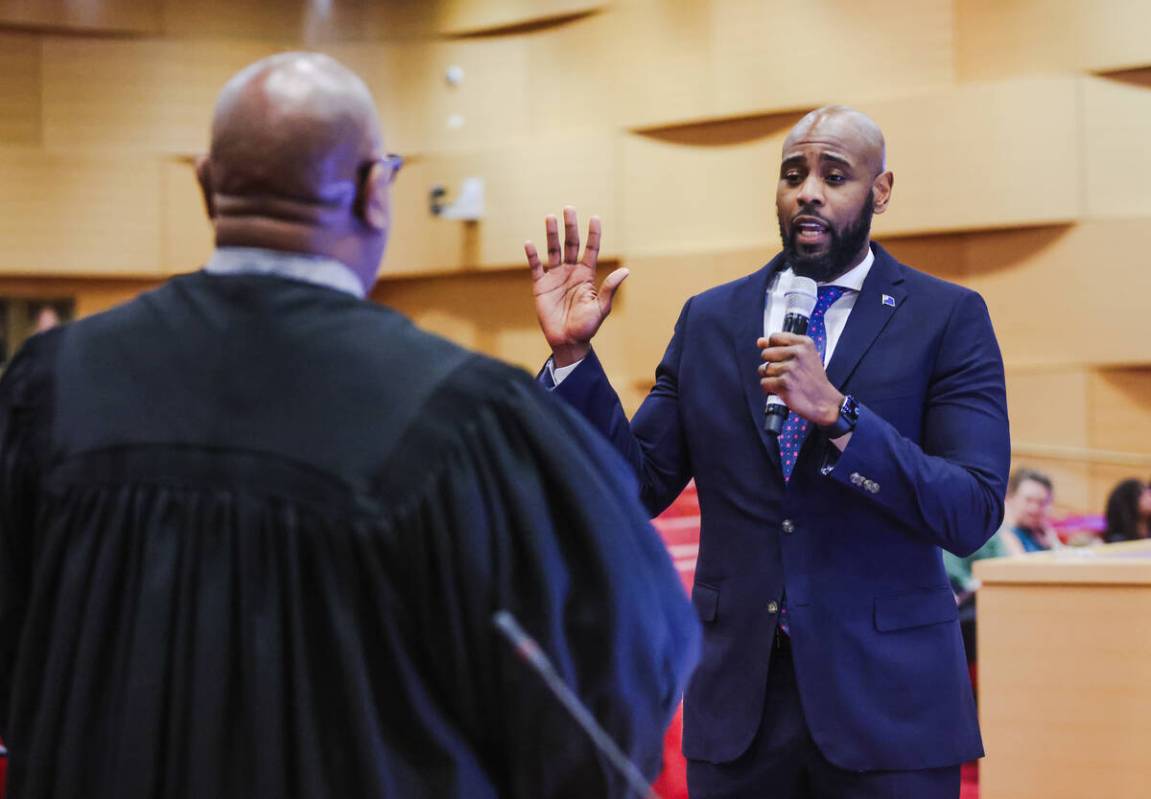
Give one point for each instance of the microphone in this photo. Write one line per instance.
(530, 653)
(799, 302)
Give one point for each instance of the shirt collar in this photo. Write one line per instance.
(314, 269)
(851, 280)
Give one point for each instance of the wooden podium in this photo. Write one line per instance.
(1064, 645)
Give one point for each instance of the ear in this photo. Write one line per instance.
(204, 178)
(373, 203)
(881, 190)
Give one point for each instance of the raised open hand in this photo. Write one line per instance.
(569, 307)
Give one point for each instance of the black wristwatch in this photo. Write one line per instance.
(848, 416)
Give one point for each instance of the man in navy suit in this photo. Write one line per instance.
(833, 664)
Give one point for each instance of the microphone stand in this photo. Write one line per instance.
(530, 652)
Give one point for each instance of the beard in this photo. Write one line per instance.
(846, 245)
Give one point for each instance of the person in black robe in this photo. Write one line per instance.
(253, 529)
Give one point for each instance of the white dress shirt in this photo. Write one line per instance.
(835, 319)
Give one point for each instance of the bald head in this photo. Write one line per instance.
(294, 164)
(295, 125)
(847, 128)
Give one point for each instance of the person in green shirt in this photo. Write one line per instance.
(959, 569)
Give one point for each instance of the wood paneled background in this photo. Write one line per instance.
(1017, 130)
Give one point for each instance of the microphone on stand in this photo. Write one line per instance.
(799, 302)
(530, 653)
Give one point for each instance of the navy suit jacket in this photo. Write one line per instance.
(854, 538)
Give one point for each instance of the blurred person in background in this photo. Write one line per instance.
(254, 528)
(1026, 522)
(1026, 528)
(47, 317)
(1029, 496)
(1128, 512)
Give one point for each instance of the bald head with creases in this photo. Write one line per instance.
(833, 177)
(853, 131)
(293, 166)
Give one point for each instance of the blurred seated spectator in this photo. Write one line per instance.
(1027, 524)
(1026, 528)
(1128, 512)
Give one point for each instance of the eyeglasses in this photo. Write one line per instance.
(392, 164)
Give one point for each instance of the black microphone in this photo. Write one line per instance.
(530, 653)
(799, 302)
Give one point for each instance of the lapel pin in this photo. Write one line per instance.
(888, 300)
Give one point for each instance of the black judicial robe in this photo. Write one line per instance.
(252, 532)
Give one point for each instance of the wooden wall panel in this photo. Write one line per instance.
(1092, 422)
(940, 255)
(772, 56)
(457, 17)
(963, 156)
(1117, 126)
(666, 64)
(644, 314)
(702, 190)
(78, 213)
(188, 237)
(1049, 406)
(116, 93)
(640, 63)
(19, 89)
(679, 63)
(90, 16)
(423, 113)
(1002, 38)
(306, 23)
(140, 95)
(1120, 401)
(539, 177)
(96, 298)
(1062, 295)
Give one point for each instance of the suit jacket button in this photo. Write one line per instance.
(873, 486)
(788, 526)
(773, 607)
(856, 478)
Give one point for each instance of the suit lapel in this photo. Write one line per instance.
(748, 318)
(878, 301)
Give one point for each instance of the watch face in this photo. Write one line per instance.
(850, 408)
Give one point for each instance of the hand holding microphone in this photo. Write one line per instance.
(792, 374)
(799, 302)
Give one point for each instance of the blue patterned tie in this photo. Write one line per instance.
(795, 428)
